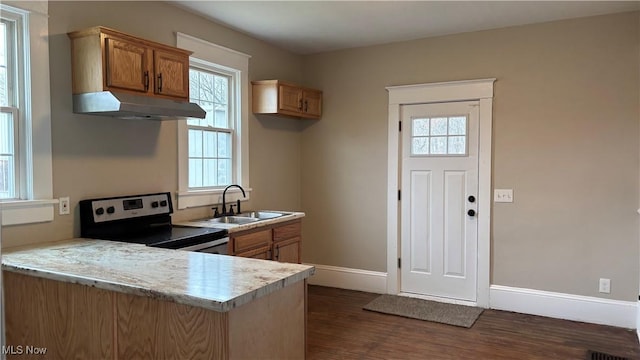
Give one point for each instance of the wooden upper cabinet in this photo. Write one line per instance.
(172, 74)
(106, 59)
(126, 64)
(280, 98)
(312, 102)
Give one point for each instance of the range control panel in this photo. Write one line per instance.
(131, 207)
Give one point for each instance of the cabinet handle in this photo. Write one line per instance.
(300, 105)
(146, 80)
(277, 252)
(160, 83)
(306, 106)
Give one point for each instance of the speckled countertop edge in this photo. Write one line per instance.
(259, 277)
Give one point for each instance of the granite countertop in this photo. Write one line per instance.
(214, 282)
(231, 228)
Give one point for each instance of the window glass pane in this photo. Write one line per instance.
(206, 86)
(195, 172)
(224, 172)
(457, 145)
(4, 85)
(420, 127)
(7, 177)
(420, 146)
(438, 145)
(195, 143)
(194, 84)
(6, 133)
(7, 157)
(457, 125)
(221, 90)
(438, 126)
(209, 144)
(209, 172)
(224, 145)
(221, 117)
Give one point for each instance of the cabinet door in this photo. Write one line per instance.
(127, 64)
(287, 251)
(312, 103)
(289, 99)
(171, 74)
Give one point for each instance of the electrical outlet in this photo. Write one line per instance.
(63, 206)
(503, 195)
(605, 286)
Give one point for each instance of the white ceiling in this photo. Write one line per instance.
(307, 27)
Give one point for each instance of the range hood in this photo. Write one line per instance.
(130, 106)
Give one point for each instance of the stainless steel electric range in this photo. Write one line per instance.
(146, 219)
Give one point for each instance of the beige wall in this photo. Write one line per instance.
(99, 156)
(565, 138)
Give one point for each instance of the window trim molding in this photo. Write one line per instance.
(239, 63)
(39, 203)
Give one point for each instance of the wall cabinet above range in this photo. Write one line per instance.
(104, 59)
(276, 97)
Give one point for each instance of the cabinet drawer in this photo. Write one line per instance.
(253, 240)
(287, 231)
(263, 253)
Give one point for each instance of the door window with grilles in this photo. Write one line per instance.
(439, 136)
(211, 138)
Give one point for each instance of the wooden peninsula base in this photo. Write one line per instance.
(75, 321)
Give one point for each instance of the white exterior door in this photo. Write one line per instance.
(439, 202)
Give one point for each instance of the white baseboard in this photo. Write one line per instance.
(625, 314)
(565, 306)
(347, 278)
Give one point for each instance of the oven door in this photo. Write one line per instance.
(218, 246)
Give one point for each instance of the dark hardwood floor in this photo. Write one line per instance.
(338, 328)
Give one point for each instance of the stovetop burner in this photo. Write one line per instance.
(141, 219)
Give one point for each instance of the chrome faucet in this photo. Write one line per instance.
(224, 201)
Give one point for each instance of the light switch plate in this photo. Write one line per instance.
(503, 195)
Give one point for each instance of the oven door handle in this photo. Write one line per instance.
(206, 245)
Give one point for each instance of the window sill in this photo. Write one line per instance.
(210, 197)
(16, 212)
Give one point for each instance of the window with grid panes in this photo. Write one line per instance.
(10, 57)
(211, 139)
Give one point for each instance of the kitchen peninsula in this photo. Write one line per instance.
(103, 299)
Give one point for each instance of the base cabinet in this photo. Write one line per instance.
(279, 242)
(71, 321)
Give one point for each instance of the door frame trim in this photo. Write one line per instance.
(469, 90)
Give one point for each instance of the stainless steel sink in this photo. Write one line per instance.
(233, 220)
(260, 215)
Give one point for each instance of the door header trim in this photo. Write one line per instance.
(441, 92)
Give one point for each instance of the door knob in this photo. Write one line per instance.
(472, 199)
(471, 212)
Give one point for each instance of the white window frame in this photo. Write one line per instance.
(231, 114)
(236, 64)
(36, 203)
